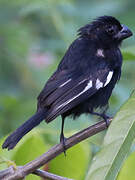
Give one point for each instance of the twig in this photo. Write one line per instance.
(56, 150)
(37, 172)
(50, 176)
(7, 171)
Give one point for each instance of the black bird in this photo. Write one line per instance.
(84, 79)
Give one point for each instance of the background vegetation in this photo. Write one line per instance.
(34, 36)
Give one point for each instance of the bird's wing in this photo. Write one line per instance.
(56, 80)
(72, 92)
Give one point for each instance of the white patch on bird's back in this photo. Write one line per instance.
(109, 77)
(89, 85)
(65, 83)
(99, 84)
(100, 53)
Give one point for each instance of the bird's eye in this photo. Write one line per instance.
(110, 30)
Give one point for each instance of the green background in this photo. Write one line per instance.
(34, 36)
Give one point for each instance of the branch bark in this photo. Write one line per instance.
(48, 175)
(32, 166)
(38, 172)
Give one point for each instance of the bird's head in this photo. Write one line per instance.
(105, 30)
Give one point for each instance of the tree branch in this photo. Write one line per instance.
(32, 166)
(38, 172)
(48, 175)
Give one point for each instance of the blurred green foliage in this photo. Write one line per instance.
(34, 36)
(127, 171)
(117, 143)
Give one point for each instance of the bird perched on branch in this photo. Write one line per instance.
(84, 79)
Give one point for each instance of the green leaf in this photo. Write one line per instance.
(74, 165)
(32, 146)
(5, 156)
(117, 142)
(128, 169)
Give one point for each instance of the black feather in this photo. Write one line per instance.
(15, 137)
(98, 23)
(84, 79)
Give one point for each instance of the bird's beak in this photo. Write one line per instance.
(124, 33)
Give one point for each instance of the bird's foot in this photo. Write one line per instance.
(106, 119)
(63, 142)
(104, 116)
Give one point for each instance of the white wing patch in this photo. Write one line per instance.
(89, 85)
(109, 77)
(65, 83)
(99, 84)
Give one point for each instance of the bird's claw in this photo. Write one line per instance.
(106, 118)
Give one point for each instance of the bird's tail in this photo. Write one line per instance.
(15, 137)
